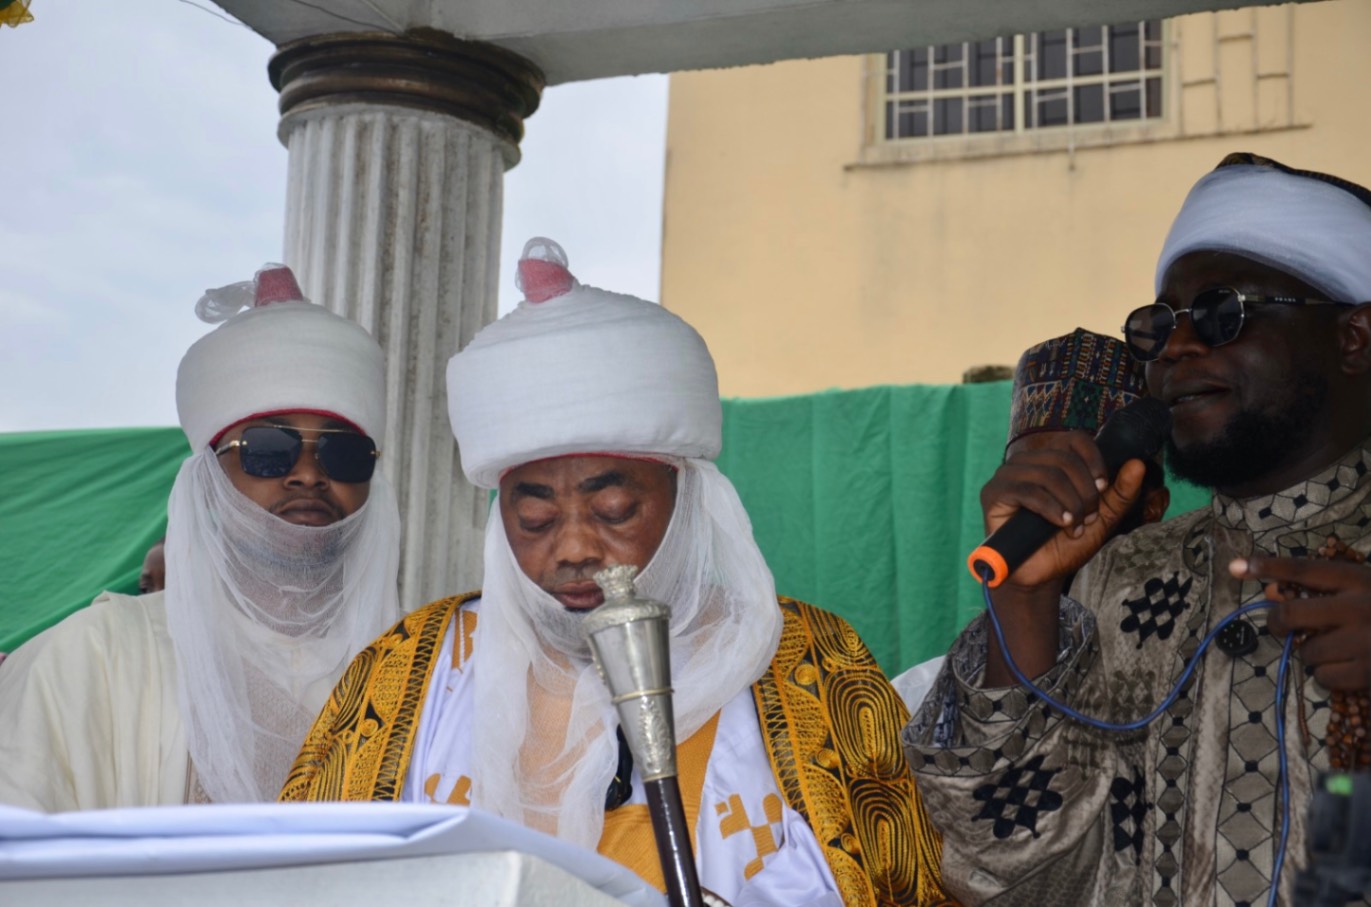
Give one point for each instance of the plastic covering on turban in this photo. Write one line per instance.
(282, 354)
(578, 371)
(1310, 225)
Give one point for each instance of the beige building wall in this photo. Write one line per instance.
(812, 255)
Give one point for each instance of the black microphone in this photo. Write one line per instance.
(1135, 432)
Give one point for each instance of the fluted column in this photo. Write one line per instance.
(398, 147)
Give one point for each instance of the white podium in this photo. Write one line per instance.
(369, 854)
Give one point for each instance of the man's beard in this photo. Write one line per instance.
(1253, 444)
(560, 627)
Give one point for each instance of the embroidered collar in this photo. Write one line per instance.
(1304, 503)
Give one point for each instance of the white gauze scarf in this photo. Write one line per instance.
(543, 744)
(264, 616)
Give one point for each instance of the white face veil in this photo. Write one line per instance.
(543, 745)
(264, 616)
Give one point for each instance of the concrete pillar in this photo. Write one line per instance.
(398, 147)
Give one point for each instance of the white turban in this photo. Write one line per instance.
(580, 372)
(1308, 225)
(278, 356)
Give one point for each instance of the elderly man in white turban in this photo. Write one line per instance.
(282, 550)
(1259, 342)
(596, 416)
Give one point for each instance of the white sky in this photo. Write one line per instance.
(141, 165)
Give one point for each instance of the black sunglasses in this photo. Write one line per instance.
(1217, 316)
(271, 451)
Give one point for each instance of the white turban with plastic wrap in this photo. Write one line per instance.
(575, 370)
(580, 371)
(1311, 226)
(283, 354)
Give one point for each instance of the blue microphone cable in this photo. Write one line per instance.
(1283, 776)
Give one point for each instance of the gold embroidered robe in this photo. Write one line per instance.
(829, 718)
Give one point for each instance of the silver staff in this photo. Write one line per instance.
(630, 642)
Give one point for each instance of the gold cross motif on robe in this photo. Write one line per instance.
(735, 820)
(461, 791)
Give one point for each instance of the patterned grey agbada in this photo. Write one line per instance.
(1037, 809)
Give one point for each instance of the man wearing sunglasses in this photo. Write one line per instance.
(281, 557)
(596, 417)
(1260, 343)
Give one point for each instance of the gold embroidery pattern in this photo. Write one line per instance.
(832, 722)
(735, 820)
(461, 791)
(360, 745)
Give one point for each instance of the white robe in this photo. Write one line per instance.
(88, 712)
(780, 863)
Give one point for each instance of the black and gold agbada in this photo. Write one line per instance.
(830, 719)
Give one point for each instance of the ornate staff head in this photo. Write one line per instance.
(629, 640)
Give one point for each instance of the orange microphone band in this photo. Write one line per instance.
(986, 558)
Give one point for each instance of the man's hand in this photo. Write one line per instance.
(1066, 484)
(1336, 615)
(1063, 480)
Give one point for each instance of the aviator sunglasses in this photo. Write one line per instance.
(1217, 316)
(271, 451)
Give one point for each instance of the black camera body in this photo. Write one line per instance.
(1339, 842)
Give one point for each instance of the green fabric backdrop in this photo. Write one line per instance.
(865, 502)
(78, 510)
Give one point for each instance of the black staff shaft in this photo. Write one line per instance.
(673, 842)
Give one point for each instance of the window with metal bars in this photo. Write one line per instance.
(1074, 76)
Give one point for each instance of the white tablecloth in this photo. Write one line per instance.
(202, 839)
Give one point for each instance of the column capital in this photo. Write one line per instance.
(423, 68)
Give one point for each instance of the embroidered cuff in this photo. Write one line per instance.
(965, 727)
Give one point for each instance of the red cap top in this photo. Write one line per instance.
(543, 280)
(276, 284)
